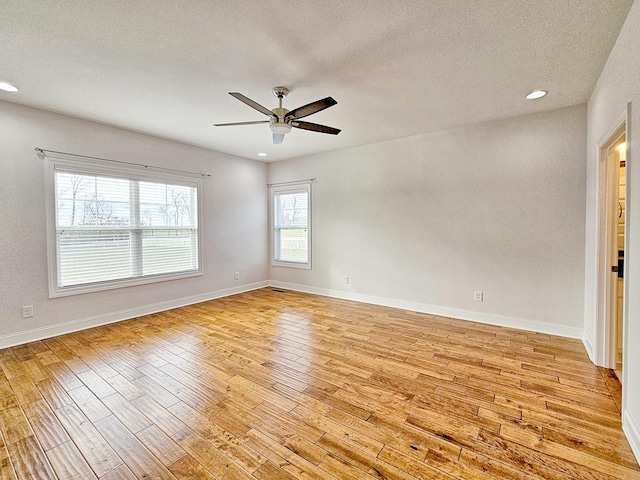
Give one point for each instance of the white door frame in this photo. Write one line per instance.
(605, 341)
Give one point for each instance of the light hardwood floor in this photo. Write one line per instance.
(284, 385)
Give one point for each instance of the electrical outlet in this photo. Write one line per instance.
(27, 311)
(478, 296)
(345, 279)
(236, 276)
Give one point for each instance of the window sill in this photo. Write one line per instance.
(302, 266)
(55, 292)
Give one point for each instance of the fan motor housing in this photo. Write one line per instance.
(280, 125)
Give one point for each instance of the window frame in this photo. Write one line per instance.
(108, 169)
(297, 187)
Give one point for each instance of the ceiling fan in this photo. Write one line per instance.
(281, 120)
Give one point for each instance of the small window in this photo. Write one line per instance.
(112, 226)
(291, 225)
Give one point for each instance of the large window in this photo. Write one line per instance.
(291, 225)
(113, 226)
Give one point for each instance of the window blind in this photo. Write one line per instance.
(291, 225)
(116, 228)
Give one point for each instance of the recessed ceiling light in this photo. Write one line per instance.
(536, 94)
(7, 87)
(262, 154)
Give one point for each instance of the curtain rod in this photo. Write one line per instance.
(295, 182)
(42, 153)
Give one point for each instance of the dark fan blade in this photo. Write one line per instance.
(314, 127)
(239, 123)
(252, 104)
(313, 107)
(278, 138)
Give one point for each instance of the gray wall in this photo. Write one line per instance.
(429, 219)
(233, 230)
(618, 85)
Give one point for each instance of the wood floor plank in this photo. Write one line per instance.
(609, 449)
(210, 458)
(611, 381)
(273, 384)
(411, 466)
(6, 469)
(90, 405)
(44, 423)
(161, 445)
(126, 412)
(342, 469)
(25, 390)
(120, 473)
(138, 459)
(369, 464)
(64, 376)
(413, 439)
(124, 387)
(53, 393)
(222, 440)
(160, 416)
(68, 463)
(29, 461)
(94, 448)
(187, 468)
(290, 457)
(604, 467)
(155, 391)
(13, 424)
(95, 383)
(269, 471)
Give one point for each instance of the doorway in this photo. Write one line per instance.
(621, 150)
(613, 158)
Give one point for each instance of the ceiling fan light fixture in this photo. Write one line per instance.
(282, 120)
(536, 94)
(280, 127)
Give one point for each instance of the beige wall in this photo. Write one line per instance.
(422, 222)
(233, 229)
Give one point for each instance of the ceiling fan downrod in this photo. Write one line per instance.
(280, 93)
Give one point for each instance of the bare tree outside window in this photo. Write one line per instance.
(293, 209)
(177, 207)
(74, 187)
(78, 184)
(81, 203)
(98, 211)
(291, 226)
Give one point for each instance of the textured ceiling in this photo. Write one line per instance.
(397, 68)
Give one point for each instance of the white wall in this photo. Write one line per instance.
(618, 84)
(233, 229)
(422, 222)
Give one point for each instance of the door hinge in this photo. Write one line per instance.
(614, 268)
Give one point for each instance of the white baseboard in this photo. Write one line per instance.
(631, 430)
(500, 320)
(35, 334)
(586, 341)
(32, 335)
